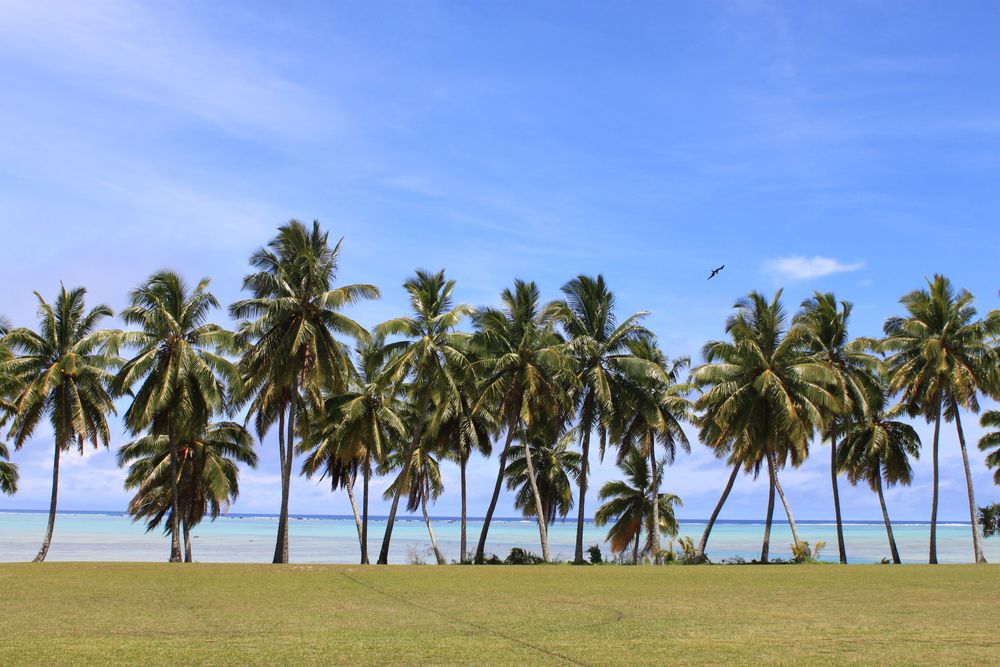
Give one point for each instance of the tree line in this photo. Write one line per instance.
(535, 383)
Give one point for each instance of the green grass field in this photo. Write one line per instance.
(237, 614)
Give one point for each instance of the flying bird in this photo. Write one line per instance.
(715, 271)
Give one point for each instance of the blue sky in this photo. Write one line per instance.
(852, 147)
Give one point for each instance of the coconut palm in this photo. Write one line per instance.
(420, 480)
(556, 468)
(826, 324)
(990, 442)
(358, 428)
(63, 370)
(522, 362)
(629, 507)
(598, 345)
(876, 447)
(180, 367)
(765, 397)
(431, 356)
(288, 336)
(941, 358)
(8, 472)
(650, 414)
(207, 479)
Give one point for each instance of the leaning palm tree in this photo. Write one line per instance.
(651, 412)
(826, 325)
(358, 429)
(288, 337)
(207, 475)
(522, 363)
(598, 345)
(63, 369)
(764, 397)
(420, 479)
(180, 367)
(556, 467)
(941, 358)
(431, 356)
(629, 506)
(990, 442)
(876, 447)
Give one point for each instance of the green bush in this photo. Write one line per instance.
(519, 556)
(594, 553)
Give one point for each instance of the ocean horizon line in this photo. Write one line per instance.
(507, 519)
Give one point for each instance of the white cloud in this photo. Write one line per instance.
(799, 267)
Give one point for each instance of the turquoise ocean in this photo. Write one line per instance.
(111, 536)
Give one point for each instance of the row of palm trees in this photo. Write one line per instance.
(528, 378)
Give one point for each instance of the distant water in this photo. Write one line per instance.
(106, 536)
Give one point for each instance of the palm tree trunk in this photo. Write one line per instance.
(765, 546)
(187, 542)
(462, 541)
(977, 539)
(836, 500)
(635, 547)
(357, 515)
(934, 493)
(175, 525)
(364, 510)
(655, 537)
(441, 560)
(481, 547)
(700, 553)
(539, 510)
(885, 517)
(47, 540)
(784, 501)
(281, 544)
(584, 472)
(383, 557)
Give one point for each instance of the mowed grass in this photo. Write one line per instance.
(70, 613)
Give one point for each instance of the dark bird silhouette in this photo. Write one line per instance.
(715, 271)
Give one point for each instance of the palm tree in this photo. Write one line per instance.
(599, 348)
(522, 362)
(876, 447)
(63, 369)
(629, 507)
(991, 441)
(431, 356)
(556, 468)
(941, 358)
(358, 429)
(826, 324)
(765, 397)
(420, 480)
(8, 472)
(207, 481)
(179, 365)
(651, 413)
(288, 335)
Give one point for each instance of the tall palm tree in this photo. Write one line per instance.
(765, 397)
(629, 507)
(522, 360)
(826, 325)
(288, 336)
(877, 447)
(358, 429)
(180, 365)
(990, 442)
(941, 357)
(63, 369)
(599, 348)
(651, 413)
(420, 479)
(8, 472)
(207, 481)
(556, 468)
(431, 356)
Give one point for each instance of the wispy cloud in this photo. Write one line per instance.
(800, 267)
